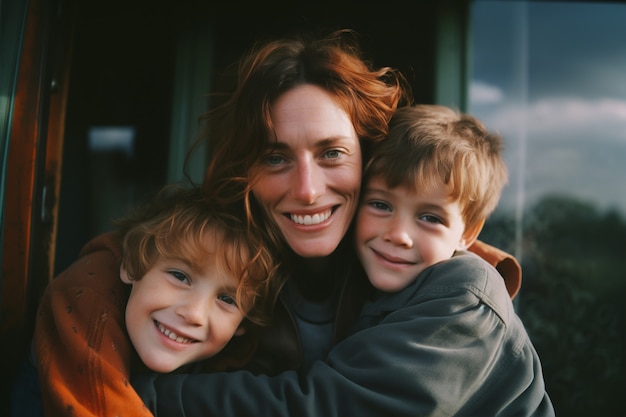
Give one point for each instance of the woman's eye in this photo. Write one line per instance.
(332, 154)
(227, 299)
(179, 276)
(274, 160)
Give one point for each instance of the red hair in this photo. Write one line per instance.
(239, 130)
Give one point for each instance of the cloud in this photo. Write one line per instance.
(567, 145)
(561, 117)
(558, 114)
(483, 93)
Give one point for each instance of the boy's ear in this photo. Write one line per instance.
(241, 330)
(124, 276)
(470, 235)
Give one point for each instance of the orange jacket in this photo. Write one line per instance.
(81, 340)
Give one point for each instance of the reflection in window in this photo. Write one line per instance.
(112, 139)
(549, 76)
(112, 188)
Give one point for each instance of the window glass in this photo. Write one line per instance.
(549, 77)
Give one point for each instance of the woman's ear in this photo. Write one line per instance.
(470, 235)
(124, 276)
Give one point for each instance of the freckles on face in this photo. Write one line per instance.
(308, 184)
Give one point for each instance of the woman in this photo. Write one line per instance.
(290, 142)
(292, 139)
(287, 149)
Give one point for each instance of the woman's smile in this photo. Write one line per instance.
(309, 182)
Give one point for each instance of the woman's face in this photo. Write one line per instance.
(308, 183)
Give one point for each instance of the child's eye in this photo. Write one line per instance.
(227, 299)
(182, 277)
(429, 218)
(380, 205)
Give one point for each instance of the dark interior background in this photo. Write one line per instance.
(123, 68)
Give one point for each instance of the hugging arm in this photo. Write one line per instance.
(450, 344)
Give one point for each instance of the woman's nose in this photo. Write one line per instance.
(308, 181)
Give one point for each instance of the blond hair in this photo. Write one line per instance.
(431, 145)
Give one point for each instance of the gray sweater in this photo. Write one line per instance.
(449, 344)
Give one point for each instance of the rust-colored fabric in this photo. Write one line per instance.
(505, 263)
(83, 351)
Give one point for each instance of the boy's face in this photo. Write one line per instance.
(177, 314)
(400, 232)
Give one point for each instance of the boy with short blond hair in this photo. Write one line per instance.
(429, 187)
(445, 167)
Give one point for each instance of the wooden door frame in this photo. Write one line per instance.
(33, 170)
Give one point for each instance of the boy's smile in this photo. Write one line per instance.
(178, 313)
(401, 231)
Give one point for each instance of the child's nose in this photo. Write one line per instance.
(195, 310)
(398, 233)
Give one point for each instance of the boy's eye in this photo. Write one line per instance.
(430, 218)
(380, 205)
(179, 276)
(227, 299)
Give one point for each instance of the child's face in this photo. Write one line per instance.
(400, 232)
(177, 314)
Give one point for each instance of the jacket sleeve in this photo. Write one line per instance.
(444, 352)
(82, 349)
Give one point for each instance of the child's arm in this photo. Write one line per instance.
(83, 352)
(450, 344)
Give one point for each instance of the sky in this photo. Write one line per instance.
(550, 77)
